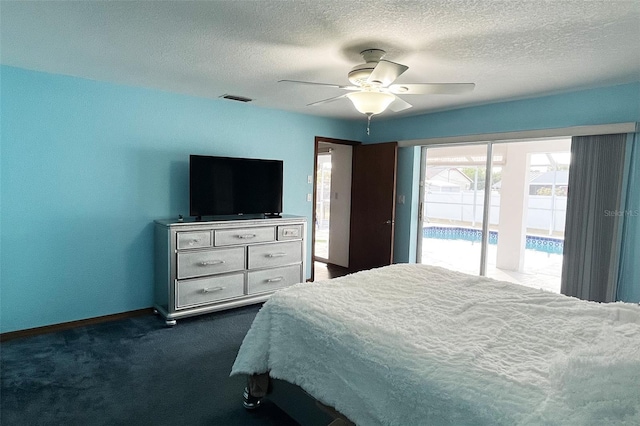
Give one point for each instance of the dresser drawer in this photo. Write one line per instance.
(270, 255)
(197, 239)
(206, 290)
(273, 279)
(208, 262)
(228, 237)
(289, 232)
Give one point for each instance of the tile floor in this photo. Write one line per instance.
(541, 270)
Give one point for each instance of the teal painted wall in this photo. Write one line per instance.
(407, 186)
(87, 166)
(615, 104)
(629, 279)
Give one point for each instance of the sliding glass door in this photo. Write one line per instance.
(502, 218)
(452, 207)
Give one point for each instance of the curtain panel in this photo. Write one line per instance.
(629, 266)
(594, 220)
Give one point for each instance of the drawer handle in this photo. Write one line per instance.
(246, 236)
(211, 262)
(194, 241)
(275, 280)
(276, 254)
(212, 289)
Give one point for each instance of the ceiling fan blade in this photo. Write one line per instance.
(399, 105)
(337, 86)
(386, 72)
(431, 88)
(324, 101)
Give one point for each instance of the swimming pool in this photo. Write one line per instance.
(533, 242)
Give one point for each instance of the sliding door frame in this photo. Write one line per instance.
(485, 210)
(486, 201)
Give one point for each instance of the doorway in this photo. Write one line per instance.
(331, 207)
(323, 202)
(361, 206)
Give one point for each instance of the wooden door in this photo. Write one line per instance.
(373, 193)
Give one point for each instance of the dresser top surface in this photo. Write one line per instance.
(230, 221)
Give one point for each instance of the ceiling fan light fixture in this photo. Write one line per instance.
(371, 103)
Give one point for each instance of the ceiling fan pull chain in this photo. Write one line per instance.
(368, 122)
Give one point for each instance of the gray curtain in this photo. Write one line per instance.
(592, 230)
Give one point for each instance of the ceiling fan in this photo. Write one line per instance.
(372, 90)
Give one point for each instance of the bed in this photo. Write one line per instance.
(421, 345)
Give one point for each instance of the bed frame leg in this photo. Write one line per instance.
(250, 402)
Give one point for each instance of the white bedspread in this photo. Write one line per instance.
(421, 345)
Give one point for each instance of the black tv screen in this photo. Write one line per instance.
(234, 186)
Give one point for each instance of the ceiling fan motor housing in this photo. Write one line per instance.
(360, 73)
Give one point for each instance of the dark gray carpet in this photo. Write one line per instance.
(133, 371)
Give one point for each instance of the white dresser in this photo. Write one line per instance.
(203, 267)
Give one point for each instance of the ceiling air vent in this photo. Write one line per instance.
(236, 98)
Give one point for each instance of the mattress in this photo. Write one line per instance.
(417, 344)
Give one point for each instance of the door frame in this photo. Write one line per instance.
(317, 141)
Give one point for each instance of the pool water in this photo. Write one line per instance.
(533, 242)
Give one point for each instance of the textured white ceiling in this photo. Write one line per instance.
(510, 49)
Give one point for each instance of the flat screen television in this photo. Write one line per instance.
(221, 186)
